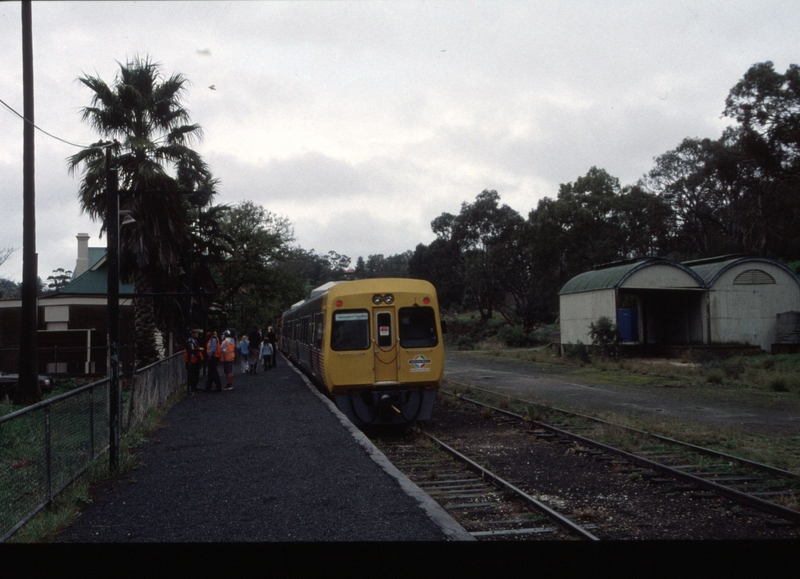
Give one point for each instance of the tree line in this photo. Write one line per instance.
(738, 194)
(196, 263)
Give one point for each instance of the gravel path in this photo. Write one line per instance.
(266, 461)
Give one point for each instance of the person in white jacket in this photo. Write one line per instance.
(244, 350)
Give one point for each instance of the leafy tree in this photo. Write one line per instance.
(393, 266)
(142, 113)
(482, 237)
(10, 289)
(59, 279)
(593, 221)
(361, 268)
(766, 104)
(438, 263)
(252, 246)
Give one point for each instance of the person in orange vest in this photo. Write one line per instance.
(228, 355)
(213, 355)
(193, 357)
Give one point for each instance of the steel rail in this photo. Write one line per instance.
(559, 519)
(738, 496)
(703, 450)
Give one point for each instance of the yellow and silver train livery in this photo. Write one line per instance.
(374, 345)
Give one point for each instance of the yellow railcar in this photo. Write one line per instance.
(373, 345)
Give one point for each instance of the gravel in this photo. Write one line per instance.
(266, 461)
(624, 507)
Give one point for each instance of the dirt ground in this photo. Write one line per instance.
(560, 387)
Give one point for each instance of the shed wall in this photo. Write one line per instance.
(747, 313)
(579, 310)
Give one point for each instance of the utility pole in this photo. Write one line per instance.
(112, 261)
(28, 390)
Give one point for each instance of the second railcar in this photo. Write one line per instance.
(374, 345)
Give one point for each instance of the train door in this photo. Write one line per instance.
(385, 345)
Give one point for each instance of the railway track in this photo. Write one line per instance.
(486, 505)
(688, 468)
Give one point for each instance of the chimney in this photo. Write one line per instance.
(82, 263)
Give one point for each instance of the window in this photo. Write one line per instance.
(753, 277)
(383, 323)
(350, 330)
(417, 328)
(318, 318)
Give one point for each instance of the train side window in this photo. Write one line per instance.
(318, 323)
(417, 327)
(350, 330)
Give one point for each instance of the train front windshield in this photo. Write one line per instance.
(418, 328)
(350, 330)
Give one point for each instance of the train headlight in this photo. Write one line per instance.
(388, 299)
(426, 300)
(376, 299)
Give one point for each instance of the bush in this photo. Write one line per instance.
(733, 367)
(515, 337)
(779, 385)
(706, 359)
(605, 337)
(465, 343)
(577, 351)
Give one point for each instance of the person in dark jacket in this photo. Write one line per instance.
(193, 356)
(212, 354)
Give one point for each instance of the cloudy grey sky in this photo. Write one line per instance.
(362, 121)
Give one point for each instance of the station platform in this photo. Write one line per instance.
(271, 460)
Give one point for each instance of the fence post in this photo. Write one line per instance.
(47, 457)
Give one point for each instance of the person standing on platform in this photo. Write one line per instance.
(213, 355)
(193, 356)
(273, 339)
(228, 355)
(244, 351)
(267, 353)
(255, 341)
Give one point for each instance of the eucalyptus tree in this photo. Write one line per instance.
(766, 106)
(478, 247)
(141, 117)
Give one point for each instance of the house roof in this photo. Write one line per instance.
(94, 281)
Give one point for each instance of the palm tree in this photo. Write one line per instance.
(142, 114)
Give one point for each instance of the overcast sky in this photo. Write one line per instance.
(361, 122)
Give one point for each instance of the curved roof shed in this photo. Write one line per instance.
(727, 299)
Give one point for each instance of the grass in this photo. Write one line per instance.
(67, 506)
(762, 379)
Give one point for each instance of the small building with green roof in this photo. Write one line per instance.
(72, 323)
(655, 301)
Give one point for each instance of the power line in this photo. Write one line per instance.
(51, 135)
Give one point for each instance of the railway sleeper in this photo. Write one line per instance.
(505, 532)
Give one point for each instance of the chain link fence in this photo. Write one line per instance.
(47, 446)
